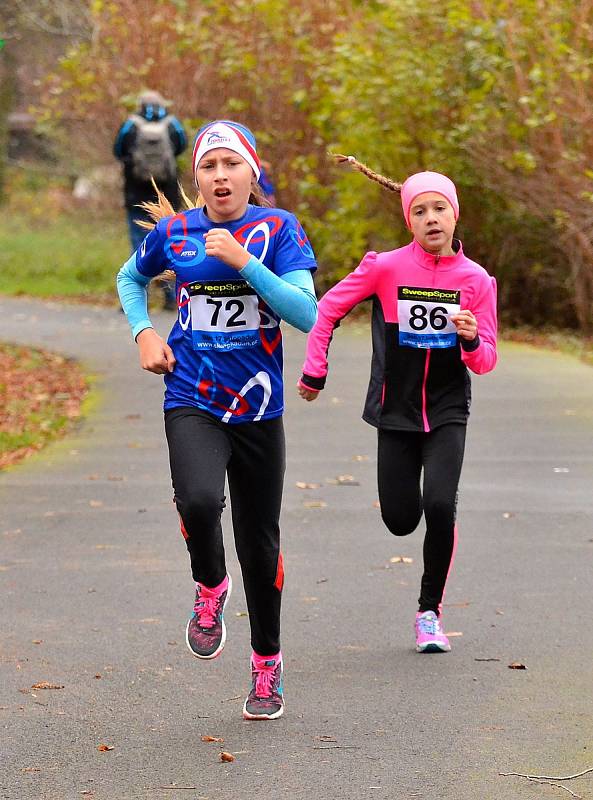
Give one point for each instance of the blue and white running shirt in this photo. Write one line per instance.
(227, 342)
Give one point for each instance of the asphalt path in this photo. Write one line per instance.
(96, 590)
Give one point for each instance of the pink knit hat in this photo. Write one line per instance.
(423, 182)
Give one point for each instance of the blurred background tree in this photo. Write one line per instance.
(497, 94)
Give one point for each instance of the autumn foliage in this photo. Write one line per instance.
(496, 93)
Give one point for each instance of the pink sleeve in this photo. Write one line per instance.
(481, 357)
(333, 306)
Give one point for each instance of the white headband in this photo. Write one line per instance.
(221, 134)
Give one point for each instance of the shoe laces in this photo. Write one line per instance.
(430, 625)
(206, 608)
(264, 680)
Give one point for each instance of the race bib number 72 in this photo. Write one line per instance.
(224, 316)
(424, 317)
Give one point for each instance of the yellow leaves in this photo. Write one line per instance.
(47, 685)
(224, 756)
(343, 480)
(104, 748)
(401, 560)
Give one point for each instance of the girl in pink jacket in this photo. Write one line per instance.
(434, 318)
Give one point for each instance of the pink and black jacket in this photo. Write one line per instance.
(419, 372)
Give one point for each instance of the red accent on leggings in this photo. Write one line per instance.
(279, 582)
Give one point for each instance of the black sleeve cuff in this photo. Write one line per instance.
(317, 384)
(469, 347)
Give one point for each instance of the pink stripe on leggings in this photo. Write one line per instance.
(455, 537)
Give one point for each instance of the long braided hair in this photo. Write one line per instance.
(386, 183)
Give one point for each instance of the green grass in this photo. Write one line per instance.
(68, 258)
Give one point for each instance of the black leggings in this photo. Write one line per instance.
(401, 457)
(202, 451)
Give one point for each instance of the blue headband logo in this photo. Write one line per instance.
(217, 138)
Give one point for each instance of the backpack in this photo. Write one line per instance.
(152, 154)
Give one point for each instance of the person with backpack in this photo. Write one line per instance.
(147, 144)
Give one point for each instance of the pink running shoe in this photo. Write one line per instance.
(266, 698)
(206, 631)
(429, 634)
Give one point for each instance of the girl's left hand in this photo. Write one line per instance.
(221, 244)
(466, 324)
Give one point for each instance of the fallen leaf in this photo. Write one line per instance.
(241, 614)
(36, 641)
(303, 485)
(103, 748)
(228, 757)
(461, 604)
(30, 769)
(401, 560)
(212, 739)
(93, 477)
(517, 665)
(360, 458)
(322, 580)
(343, 480)
(561, 469)
(133, 416)
(95, 503)
(315, 504)
(486, 659)
(46, 685)
(376, 504)
(98, 676)
(454, 633)
(115, 478)
(508, 515)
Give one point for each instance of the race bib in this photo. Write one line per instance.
(424, 317)
(224, 315)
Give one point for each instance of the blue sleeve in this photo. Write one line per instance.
(291, 296)
(293, 249)
(119, 149)
(150, 256)
(131, 287)
(179, 135)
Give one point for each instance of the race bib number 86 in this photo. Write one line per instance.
(224, 316)
(424, 317)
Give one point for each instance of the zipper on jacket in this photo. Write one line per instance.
(424, 380)
(425, 422)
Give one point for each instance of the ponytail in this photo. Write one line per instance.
(386, 183)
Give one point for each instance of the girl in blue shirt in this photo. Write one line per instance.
(240, 269)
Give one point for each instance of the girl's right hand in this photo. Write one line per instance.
(307, 394)
(155, 354)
